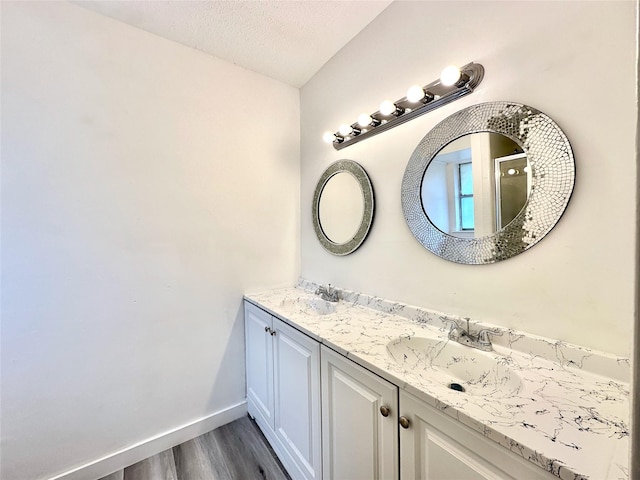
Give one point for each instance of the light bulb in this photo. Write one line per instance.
(512, 171)
(450, 76)
(364, 120)
(345, 130)
(415, 93)
(388, 107)
(329, 137)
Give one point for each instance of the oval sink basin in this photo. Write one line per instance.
(449, 363)
(309, 305)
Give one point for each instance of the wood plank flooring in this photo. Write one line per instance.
(237, 451)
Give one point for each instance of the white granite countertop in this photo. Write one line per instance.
(560, 406)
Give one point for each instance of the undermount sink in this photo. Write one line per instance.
(309, 305)
(456, 366)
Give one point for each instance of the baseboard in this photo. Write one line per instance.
(147, 448)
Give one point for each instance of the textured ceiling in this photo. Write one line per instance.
(286, 40)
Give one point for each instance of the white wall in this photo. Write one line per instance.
(575, 61)
(145, 187)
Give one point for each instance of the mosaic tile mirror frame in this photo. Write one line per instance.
(363, 222)
(552, 177)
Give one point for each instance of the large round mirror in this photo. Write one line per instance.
(476, 185)
(486, 209)
(342, 207)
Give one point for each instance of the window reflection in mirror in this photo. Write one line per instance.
(476, 185)
(341, 207)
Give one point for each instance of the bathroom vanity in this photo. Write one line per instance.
(371, 389)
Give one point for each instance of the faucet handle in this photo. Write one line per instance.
(455, 332)
(483, 336)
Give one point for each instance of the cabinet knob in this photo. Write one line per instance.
(384, 411)
(273, 332)
(404, 422)
(267, 329)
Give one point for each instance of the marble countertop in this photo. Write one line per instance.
(563, 407)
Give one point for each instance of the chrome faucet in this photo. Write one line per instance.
(481, 341)
(328, 293)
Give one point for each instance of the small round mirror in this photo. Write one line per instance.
(476, 185)
(342, 207)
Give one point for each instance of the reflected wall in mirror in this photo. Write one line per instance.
(476, 185)
(508, 202)
(342, 207)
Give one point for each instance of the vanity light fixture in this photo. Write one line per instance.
(366, 120)
(452, 75)
(388, 108)
(332, 137)
(453, 83)
(346, 130)
(417, 94)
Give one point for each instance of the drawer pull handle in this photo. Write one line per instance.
(384, 411)
(404, 422)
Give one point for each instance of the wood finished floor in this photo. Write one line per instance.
(237, 451)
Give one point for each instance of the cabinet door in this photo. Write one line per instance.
(259, 359)
(436, 447)
(358, 442)
(296, 360)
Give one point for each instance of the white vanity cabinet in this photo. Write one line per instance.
(434, 446)
(359, 422)
(369, 429)
(283, 390)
